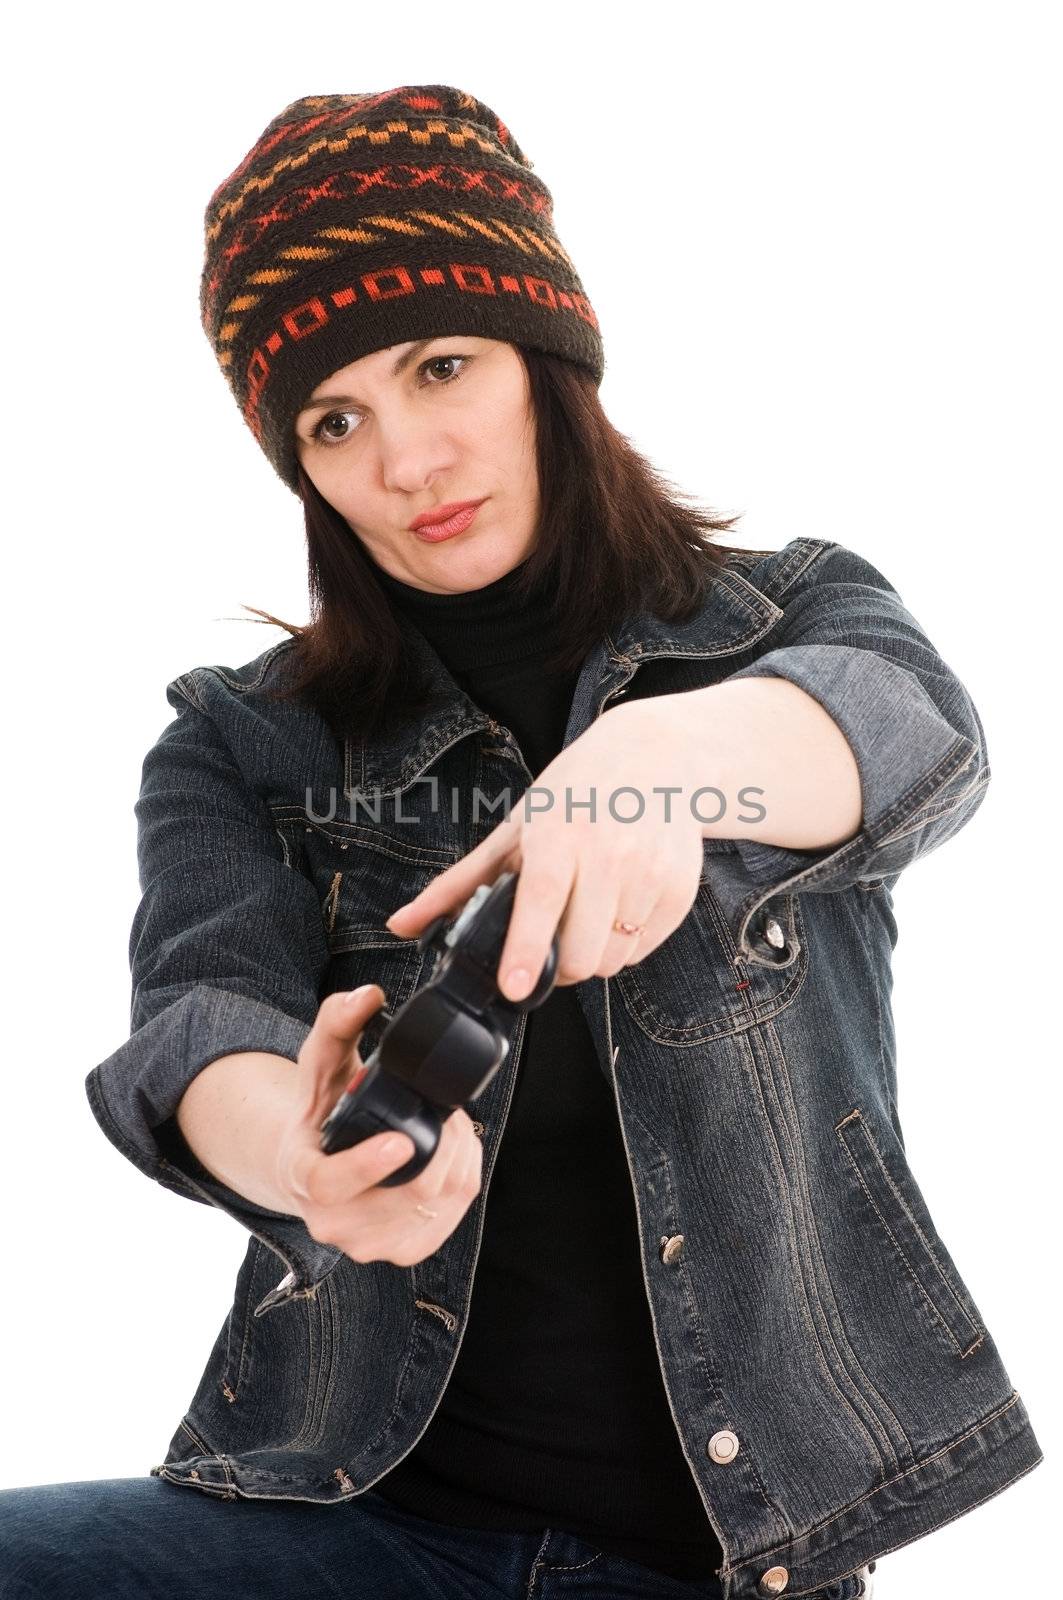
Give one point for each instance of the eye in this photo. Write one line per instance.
(437, 360)
(320, 435)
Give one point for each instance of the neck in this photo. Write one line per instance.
(482, 627)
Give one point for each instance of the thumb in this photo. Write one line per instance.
(328, 1051)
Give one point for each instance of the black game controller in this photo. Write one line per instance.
(443, 1047)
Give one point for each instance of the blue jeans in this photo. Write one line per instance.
(146, 1539)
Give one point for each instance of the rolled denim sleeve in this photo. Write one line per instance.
(227, 952)
(846, 638)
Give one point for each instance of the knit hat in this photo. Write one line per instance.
(360, 221)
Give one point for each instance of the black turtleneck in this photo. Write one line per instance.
(495, 645)
(555, 1414)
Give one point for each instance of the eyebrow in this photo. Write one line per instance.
(401, 363)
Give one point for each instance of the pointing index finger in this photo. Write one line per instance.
(538, 906)
(450, 888)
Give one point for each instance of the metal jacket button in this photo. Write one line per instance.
(774, 935)
(723, 1446)
(773, 1581)
(671, 1249)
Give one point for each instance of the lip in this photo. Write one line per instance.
(445, 521)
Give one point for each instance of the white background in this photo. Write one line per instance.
(822, 244)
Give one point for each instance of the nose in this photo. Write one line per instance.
(414, 456)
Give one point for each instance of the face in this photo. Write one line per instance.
(453, 423)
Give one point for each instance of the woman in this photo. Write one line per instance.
(705, 1339)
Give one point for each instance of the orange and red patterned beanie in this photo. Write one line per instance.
(360, 221)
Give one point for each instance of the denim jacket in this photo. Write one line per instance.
(832, 1382)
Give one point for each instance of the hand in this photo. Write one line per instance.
(585, 874)
(339, 1196)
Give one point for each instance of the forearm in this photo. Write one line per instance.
(766, 734)
(232, 1116)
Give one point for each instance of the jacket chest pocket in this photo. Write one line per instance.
(690, 990)
(361, 875)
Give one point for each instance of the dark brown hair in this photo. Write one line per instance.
(613, 537)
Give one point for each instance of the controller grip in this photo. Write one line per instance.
(382, 1103)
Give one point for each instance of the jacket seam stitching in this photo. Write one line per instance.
(223, 674)
(186, 686)
(975, 1326)
(940, 811)
(818, 549)
(847, 1356)
(917, 1466)
(781, 576)
(723, 1024)
(236, 1384)
(759, 1069)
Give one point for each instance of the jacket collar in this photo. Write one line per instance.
(733, 616)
